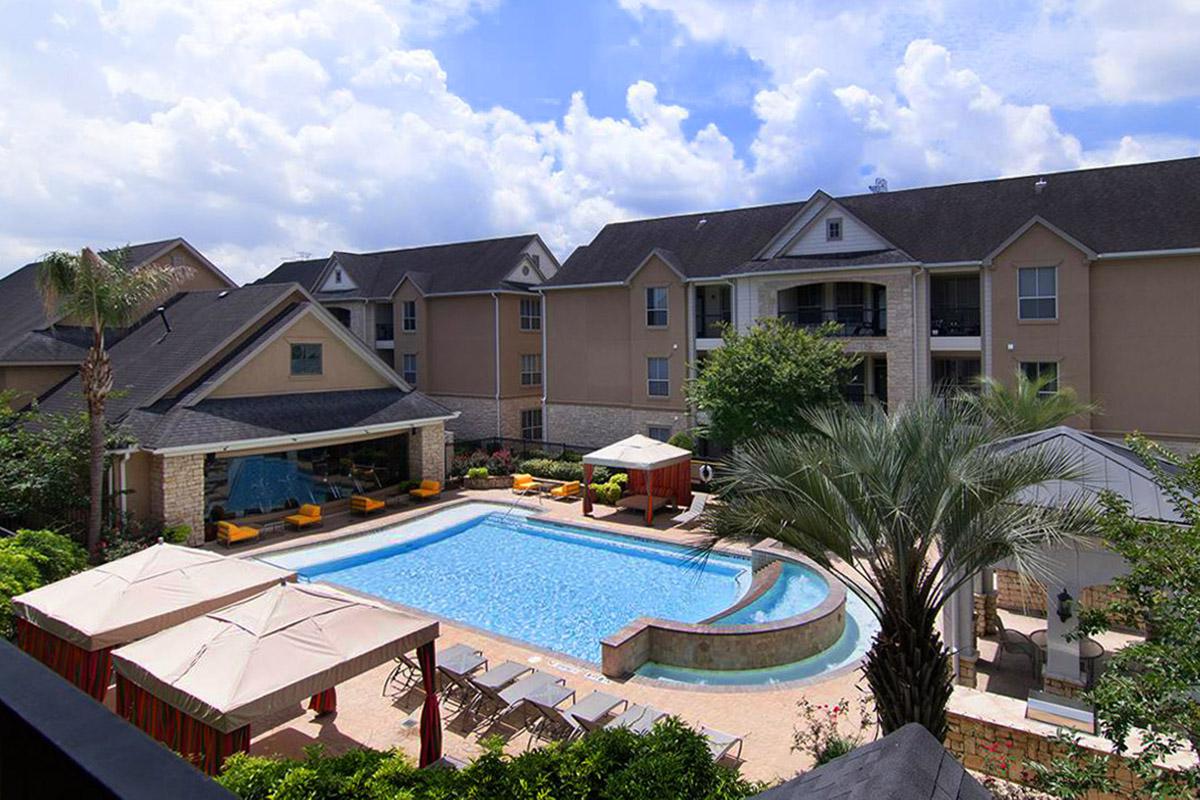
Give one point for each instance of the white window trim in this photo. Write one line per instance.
(320, 360)
(405, 319)
(404, 371)
(650, 380)
(526, 319)
(841, 227)
(1057, 376)
(541, 426)
(1023, 318)
(537, 357)
(666, 310)
(651, 426)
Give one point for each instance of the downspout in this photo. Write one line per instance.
(496, 319)
(545, 368)
(124, 485)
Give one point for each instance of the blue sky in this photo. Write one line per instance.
(262, 131)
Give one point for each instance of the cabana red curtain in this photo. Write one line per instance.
(202, 744)
(87, 669)
(431, 720)
(324, 702)
(670, 481)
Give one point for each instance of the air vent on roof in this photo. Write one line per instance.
(701, 224)
(1041, 184)
(222, 294)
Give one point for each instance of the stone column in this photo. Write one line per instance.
(987, 617)
(427, 453)
(177, 492)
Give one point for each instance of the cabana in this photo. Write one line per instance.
(199, 686)
(73, 625)
(657, 470)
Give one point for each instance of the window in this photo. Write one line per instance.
(531, 370)
(656, 306)
(658, 377)
(1037, 293)
(385, 323)
(531, 424)
(337, 275)
(408, 368)
(409, 321)
(658, 432)
(342, 315)
(833, 229)
(1035, 370)
(306, 359)
(531, 313)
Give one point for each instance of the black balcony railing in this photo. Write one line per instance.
(954, 321)
(385, 331)
(710, 326)
(851, 320)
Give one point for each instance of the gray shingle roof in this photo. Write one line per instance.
(436, 269)
(1127, 208)
(908, 764)
(1105, 466)
(239, 418)
(824, 261)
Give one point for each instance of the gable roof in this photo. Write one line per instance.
(162, 408)
(476, 266)
(1106, 210)
(907, 764)
(25, 334)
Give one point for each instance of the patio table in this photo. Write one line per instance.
(1090, 652)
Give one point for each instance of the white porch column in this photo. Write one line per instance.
(959, 628)
(1061, 674)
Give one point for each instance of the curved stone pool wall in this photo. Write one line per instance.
(733, 647)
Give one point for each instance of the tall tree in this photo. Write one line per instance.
(902, 509)
(100, 293)
(764, 380)
(1026, 406)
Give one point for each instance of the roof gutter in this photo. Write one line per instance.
(496, 320)
(297, 438)
(602, 285)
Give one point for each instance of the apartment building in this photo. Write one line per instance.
(1092, 276)
(39, 350)
(462, 322)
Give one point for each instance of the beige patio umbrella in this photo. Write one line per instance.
(250, 659)
(71, 624)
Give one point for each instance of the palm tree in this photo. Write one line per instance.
(1026, 406)
(902, 509)
(87, 290)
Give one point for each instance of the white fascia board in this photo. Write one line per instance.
(899, 265)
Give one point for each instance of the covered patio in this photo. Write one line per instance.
(74, 624)
(1031, 645)
(659, 473)
(199, 686)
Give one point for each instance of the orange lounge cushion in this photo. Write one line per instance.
(572, 487)
(229, 532)
(307, 514)
(427, 489)
(361, 502)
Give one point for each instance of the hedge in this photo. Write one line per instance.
(32, 559)
(671, 762)
(561, 470)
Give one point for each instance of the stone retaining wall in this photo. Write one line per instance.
(1029, 597)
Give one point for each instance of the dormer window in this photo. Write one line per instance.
(833, 229)
(337, 275)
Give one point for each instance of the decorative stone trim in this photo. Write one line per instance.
(987, 618)
(490, 482)
(1063, 687)
(966, 671)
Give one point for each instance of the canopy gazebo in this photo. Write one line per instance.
(73, 625)
(657, 470)
(197, 687)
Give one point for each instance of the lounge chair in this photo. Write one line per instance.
(460, 659)
(639, 719)
(510, 698)
(1013, 641)
(364, 504)
(566, 490)
(720, 744)
(307, 515)
(689, 517)
(523, 482)
(583, 717)
(228, 533)
(426, 490)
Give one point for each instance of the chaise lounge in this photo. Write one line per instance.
(522, 483)
(567, 490)
(229, 533)
(306, 516)
(426, 490)
(365, 505)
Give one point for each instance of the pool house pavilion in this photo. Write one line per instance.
(243, 404)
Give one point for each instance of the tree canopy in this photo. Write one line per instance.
(763, 381)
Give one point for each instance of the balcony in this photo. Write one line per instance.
(385, 334)
(711, 325)
(850, 320)
(714, 311)
(954, 319)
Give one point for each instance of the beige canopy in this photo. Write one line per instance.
(269, 652)
(638, 452)
(142, 594)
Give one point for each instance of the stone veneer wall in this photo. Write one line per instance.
(476, 416)
(177, 492)
(596, 426)
(427, 453)
(1014, 594)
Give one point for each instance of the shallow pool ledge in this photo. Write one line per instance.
(733, 647)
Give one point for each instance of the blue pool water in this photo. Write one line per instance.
(797, 590)
(557, 586)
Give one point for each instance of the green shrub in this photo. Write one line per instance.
(683, 439)
(477, 472)
(32, 559)
(621, 479)
(176, 534)
(606, 493)
(571, 457)
(561, 470)
(669, 763)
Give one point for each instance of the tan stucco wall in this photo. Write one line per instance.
(29, 382)
(269, 372)
(514, 343)
(137, 482)
(415, 342)
(1145, 344)
(1066, 340)
(460, 349)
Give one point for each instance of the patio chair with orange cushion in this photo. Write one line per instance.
(568, 489)
(305, 516)
(426, 490)
(228, 533)
(364, 504)
(523, 482)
